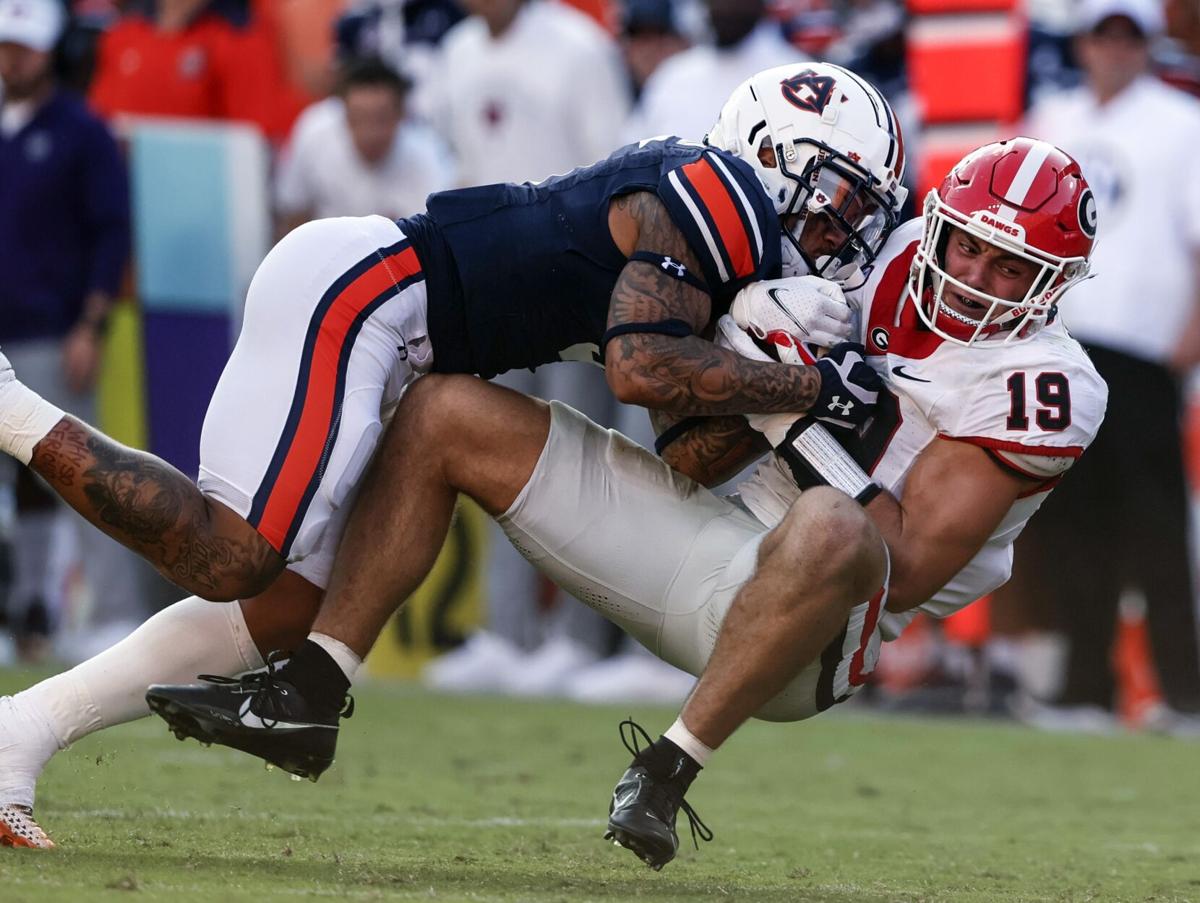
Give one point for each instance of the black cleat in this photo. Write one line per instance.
(641, 816)
(258, 713)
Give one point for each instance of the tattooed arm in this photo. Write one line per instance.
(684, 375)
(714, 450)
(151, 508)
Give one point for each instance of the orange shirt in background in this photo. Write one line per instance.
(209, 70)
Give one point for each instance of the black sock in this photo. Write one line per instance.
(669, 761)
(313, 672)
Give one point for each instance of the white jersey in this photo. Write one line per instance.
(321, 173)
(685, 94)
(1034, 405)
(547, 95)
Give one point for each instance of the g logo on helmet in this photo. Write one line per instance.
(1087, 213)
(808, 91)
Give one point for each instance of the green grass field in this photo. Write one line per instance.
(437, 798)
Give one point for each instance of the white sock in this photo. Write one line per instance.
(26, 745)
(685, 740)
(347, 659)
(25, 418)
(181, 641)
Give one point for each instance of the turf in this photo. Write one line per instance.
(475, 799)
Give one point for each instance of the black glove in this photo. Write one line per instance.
(849, 387)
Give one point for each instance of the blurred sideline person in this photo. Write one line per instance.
(631, 266)
(64, 245)
(505, 94)
(360, 153)
(681, 96)
(685, 93)
(185, 58)
(1126, 511)
(650, 35)
(777, 600)
(505, 91)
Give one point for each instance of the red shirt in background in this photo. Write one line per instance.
(208, 70)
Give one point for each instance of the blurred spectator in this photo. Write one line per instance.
(182, 58)
(303, 31)
(359, 153)
(1177, 57)
(1120, 522)
(649, 35)
(64, 244)
(811, 26)
(1050, 64)
(405, 34)
(871, 43)
(684, 95)
(523, 90)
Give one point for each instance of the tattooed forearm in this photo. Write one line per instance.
(715, 449)
(687, 375)
(693, 376)
(153, 509)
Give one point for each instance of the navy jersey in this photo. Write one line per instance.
(520, 275)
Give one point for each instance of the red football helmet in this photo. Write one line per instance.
(1027, 198)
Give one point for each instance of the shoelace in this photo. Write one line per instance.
(662, 792)
(266, 688)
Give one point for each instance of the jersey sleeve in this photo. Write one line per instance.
(725, 215)
(1035, 408)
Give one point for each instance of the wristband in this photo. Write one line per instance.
(810, 452)
(674, 431)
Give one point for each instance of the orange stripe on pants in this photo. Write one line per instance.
(320, 402)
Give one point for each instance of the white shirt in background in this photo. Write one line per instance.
(546, 96)
(321, 173)
(684, 95)
(1139, 154)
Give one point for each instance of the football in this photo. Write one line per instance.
(786, 348)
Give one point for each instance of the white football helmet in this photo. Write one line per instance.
(838, 151)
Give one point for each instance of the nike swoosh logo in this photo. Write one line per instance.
(773, 294)
(249, 719)
(899, 371)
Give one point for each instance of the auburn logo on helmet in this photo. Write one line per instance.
(808, 91)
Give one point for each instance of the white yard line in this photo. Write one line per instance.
(50, 814)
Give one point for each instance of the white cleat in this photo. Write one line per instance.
(547, 669)
(1162, 719)
(630, 677)
(26, 745)
(485, 663)
(19, 829)
(1067, 719)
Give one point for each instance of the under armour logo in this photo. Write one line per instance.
(842, 406)
(674, 265)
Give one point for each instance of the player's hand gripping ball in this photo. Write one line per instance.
(792, 319)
